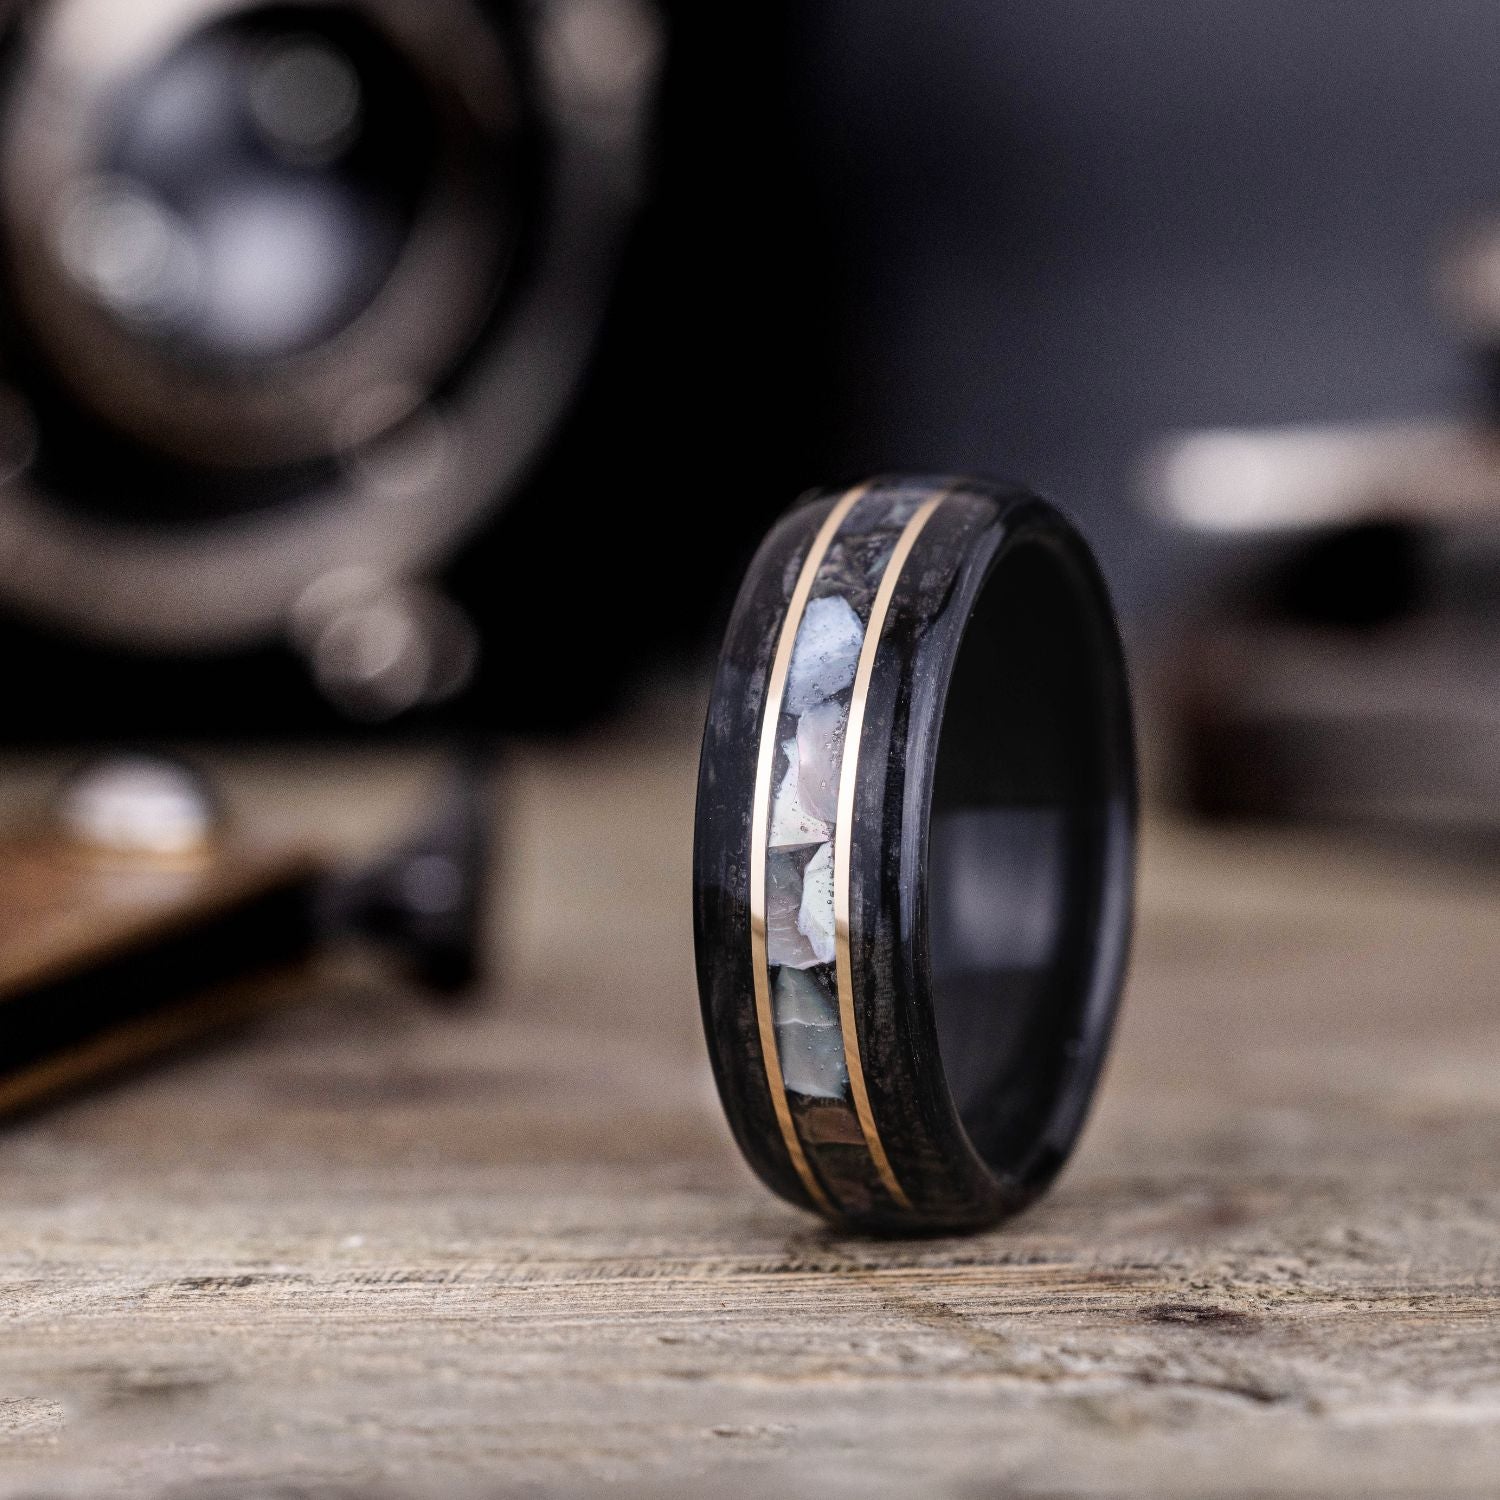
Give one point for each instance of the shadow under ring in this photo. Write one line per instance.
(915, 848)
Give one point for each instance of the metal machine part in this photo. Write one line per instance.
(1283, 483)
(297, 289)
(379, 648)
(1340, 670)
(139, 806)
(1288, 482)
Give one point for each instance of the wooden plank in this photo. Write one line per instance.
(61, 911)
(372, 1250)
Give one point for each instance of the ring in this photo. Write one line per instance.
(915, 852)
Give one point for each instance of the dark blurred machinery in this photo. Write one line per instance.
(718, 252)
(1346, 665)
(358, 357)
(135, 915)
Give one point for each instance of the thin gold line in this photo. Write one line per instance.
(843, 836)
(760, 814)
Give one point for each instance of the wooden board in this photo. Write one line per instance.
(61, 910)
(367, 1250)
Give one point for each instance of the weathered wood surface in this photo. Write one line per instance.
(366, 1250)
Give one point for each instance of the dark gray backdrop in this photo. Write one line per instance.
(1067, 225)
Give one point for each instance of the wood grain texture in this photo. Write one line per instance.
(366, 1250)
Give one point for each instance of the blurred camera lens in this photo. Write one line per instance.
(256, 188)
(230, 225)
(292, 288)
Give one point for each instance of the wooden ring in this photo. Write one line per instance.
(914, 863)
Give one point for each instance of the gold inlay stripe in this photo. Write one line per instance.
(760, 837)
(843, 837)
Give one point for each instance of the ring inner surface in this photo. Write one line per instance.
(1020, 815)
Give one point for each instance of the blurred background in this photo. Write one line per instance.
(371, 368)
(392, 393)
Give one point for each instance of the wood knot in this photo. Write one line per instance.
(1202, 1315)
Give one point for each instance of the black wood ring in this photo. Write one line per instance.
(914, 861)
